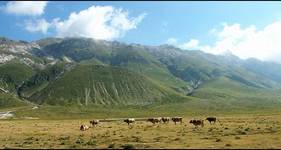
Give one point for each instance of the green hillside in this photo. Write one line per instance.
(41, 79)
(13, 74)
(196, 65)
(133, 57)
(9, 101)
(141, 61)
(229, 94)
(98, 84)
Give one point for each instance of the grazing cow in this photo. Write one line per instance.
(154, 120)
(129, 120)
(211, 119)
(94, 122)
(165, 119)
(197, 122)
(177, 119)
(84, 127)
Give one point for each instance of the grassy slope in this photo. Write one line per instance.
(116, 54)
(139, 60)
(13, 74)
(41, 79)
(104, 85)
(197, 65)
(10, 101)
(216, 97)
(227, 94)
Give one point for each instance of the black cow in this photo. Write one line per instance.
(94, 122)
(165, 119)
(154, 120)
(211, 119)
(197, 122)
(177, 119)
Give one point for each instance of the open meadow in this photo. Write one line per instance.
(232, 131)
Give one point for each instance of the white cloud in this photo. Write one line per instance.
(100, 22)
(191, 44)
(30, 8)
(40, 25)
(248, 42)
(172, 41)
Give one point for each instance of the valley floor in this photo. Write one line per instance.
(236, 131)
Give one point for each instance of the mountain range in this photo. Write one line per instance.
(90, 72)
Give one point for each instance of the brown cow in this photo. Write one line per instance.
(197, 122)
(154, 120)
(177, 119)
(129, 120)
(84, 127)
(94, 122)
(165, 119)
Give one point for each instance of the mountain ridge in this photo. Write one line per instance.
(168, 71)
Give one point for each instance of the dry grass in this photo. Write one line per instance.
(234, 132)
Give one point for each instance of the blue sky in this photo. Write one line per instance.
(182, 20)
(183, 24)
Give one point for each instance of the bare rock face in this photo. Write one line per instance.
(16, 47)
(5, 58)
(21, 50)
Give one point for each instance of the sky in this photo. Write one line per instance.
(246, 29)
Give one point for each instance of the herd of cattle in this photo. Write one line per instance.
(165, 120)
